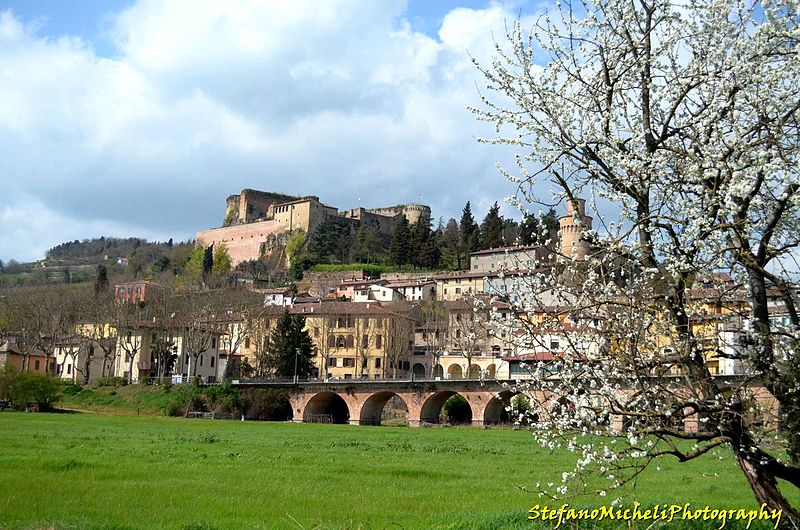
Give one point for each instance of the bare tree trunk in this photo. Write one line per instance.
(765, 489)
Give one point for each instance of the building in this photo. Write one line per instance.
(510, 258)
(137, 291)
(21, 357)
(166, 349)
(79, 360)
(415, 290)
(360, 340)
(456, 285)
(257, 223)
(279, 296)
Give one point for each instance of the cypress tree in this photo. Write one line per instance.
(101, 280)
(400, 245)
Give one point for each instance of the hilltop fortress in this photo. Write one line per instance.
(256, 220)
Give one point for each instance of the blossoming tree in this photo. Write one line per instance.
(679, 122)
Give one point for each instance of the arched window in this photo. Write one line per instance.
(340, 342)
(350, 342)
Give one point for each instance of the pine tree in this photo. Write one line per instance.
(400, 246)
(492, 228)
(289, 346)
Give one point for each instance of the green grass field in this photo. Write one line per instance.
(96, 471)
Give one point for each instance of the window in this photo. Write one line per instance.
(212, 362)
(340, 342)
(201, 360)
(378, 362)
(129, 337)
(349, 362)
(554, 344)
(331, 362)
(247, 342)
(69, 368)
(213, 342)
(458, 290)
(350, 341)
(36, 365)
(378, 341)
(365, 341)
(331, 341)
(445, 290)
(348, 376)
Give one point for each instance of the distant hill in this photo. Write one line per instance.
(107, 248)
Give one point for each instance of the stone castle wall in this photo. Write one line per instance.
(252, 216)
(412, 211)
(242, 241)
(251, 205)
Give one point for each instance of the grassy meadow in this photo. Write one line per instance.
(98, 471)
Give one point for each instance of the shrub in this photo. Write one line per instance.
(109, 381)
(457, 410)
(41, 391)
(72, 389)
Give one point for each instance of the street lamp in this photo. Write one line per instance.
(296, 356)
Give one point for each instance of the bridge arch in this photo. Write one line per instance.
(495, 412)
(372, 408)
(432, 407)
(326, 407)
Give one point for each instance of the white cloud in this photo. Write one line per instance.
(342, 99)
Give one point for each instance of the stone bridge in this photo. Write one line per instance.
(361, 402)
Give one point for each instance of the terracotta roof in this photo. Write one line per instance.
(411, 283)
(503, 250)
(339, 308)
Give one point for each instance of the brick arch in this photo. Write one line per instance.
(496, 406)
(305, 406)
(372, 407)
(432, 406)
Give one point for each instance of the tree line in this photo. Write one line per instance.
(420, 245)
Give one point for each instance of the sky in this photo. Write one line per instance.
(138, 118)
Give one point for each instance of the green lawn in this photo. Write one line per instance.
(95, 471)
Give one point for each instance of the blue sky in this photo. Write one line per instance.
(138, 118)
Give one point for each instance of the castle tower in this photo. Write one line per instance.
(570, 229)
